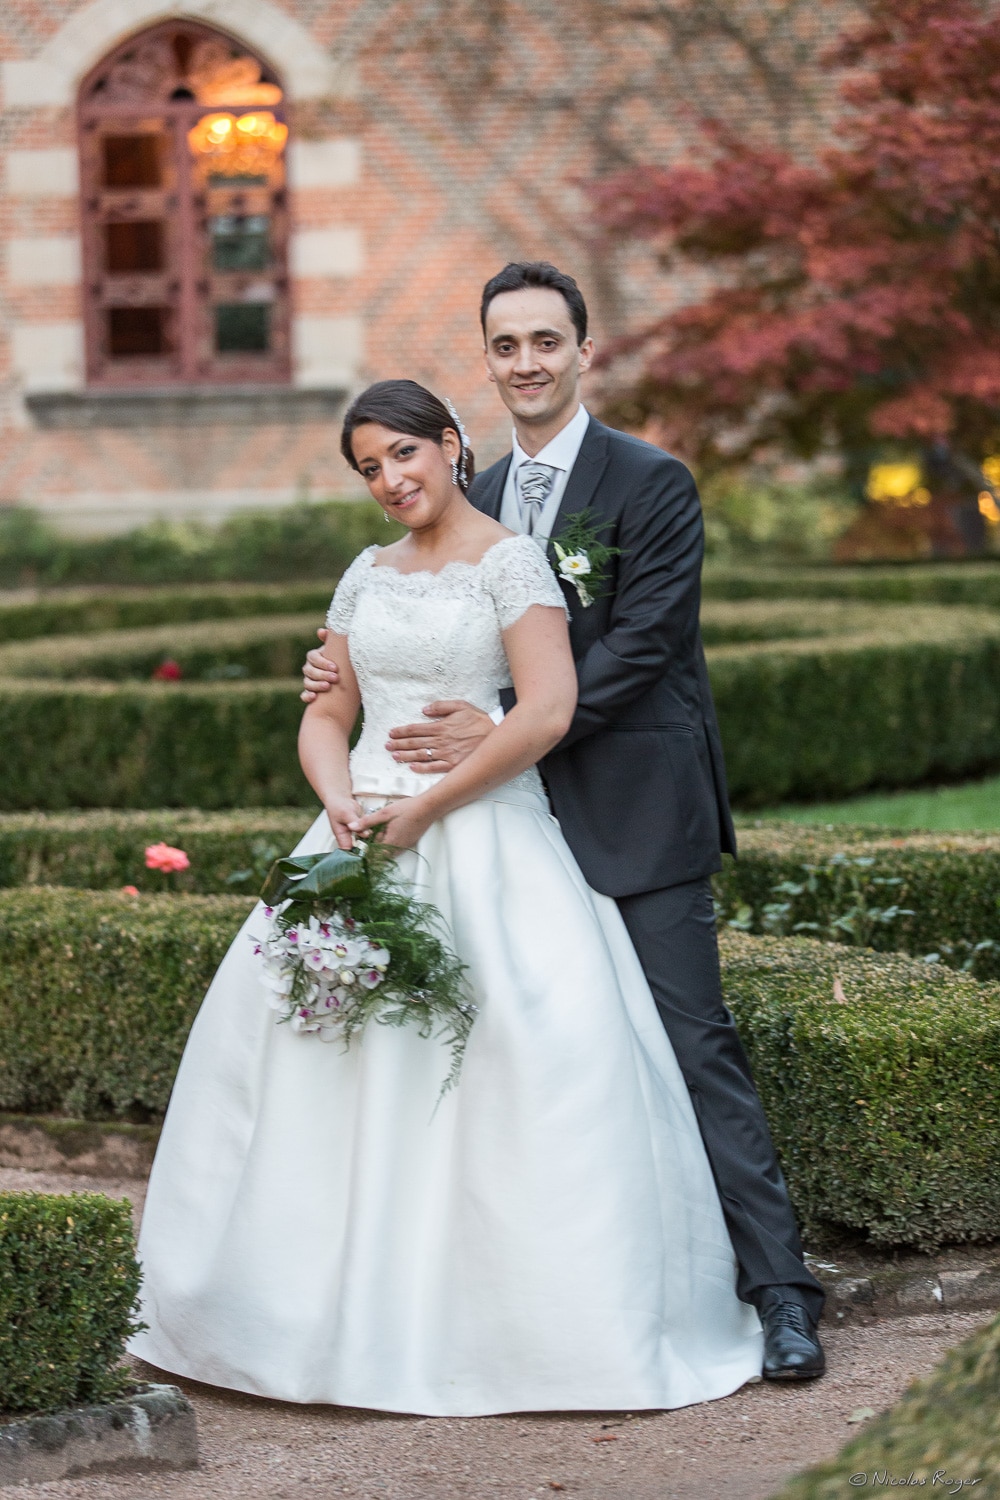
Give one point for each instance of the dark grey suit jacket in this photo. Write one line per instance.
(638, 784)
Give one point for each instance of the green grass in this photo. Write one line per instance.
(946, 809)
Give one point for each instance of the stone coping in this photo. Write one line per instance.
(154, 1428)
(185, 406)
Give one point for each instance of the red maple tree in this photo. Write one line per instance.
(855, 300)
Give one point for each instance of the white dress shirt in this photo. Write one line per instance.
(560, 453)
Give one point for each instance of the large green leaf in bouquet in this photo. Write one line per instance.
(340, 875)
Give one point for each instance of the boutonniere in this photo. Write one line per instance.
(582, 558)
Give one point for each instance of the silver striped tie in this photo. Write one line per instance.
(534, 485)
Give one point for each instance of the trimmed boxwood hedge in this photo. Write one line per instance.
(975, 583)
(69, 1281)
(880, 1077)
(272, 646)
(885, 1105)
(97, 993)
(220, 744)
(947, 1425)
(104, 849)
(917, 698)
(25, 616)
(950, 883)
(913, 695)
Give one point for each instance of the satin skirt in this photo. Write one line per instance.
(321, 1227)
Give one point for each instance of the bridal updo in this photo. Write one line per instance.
(404, 406)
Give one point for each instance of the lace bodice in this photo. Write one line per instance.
(417, 637)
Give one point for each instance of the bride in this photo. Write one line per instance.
(319, 1228)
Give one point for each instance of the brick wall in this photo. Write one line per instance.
(430, 143)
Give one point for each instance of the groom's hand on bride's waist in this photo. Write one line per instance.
(449, 732)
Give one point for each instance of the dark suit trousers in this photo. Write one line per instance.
(673, 932)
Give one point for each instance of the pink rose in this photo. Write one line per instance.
(164, 857)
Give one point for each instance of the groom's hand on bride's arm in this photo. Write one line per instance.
(451, 730)
(319, 673)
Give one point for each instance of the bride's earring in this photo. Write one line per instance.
(385, 517)
(454, 472)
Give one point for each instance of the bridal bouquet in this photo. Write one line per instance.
(346, 944)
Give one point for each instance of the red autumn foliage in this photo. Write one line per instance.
(854, 300)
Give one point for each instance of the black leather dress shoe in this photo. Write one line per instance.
(792, 1350)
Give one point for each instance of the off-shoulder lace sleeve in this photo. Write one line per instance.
(518, 576)
(341, 611)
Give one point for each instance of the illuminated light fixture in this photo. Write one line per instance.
(238, 145)
(988, 508)
(235, 81)
(897, 484)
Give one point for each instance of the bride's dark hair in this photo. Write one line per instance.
(403, 406)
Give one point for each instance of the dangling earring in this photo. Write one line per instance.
(385, 517)
(454, 472)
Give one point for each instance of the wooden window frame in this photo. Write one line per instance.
(188, 285)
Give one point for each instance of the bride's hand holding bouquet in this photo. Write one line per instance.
(401, 824)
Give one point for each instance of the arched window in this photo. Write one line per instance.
(185, 218)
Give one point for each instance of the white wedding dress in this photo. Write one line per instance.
(319, 1228)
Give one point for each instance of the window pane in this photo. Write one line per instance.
(133, 246)
(242, 328)
(136, 331)
(240, 242)
(132, 161)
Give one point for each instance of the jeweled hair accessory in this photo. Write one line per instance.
(463, 438)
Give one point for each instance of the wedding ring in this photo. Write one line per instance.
(429, 754)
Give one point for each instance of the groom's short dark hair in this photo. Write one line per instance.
(518, 274)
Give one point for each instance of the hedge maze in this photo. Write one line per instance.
(863, 968)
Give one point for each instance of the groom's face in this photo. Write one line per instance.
(532, 354)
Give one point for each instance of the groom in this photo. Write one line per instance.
(638, 783)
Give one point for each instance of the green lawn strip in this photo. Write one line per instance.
(944, 1430)
(968, 806)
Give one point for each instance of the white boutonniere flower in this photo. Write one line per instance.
(576, 568)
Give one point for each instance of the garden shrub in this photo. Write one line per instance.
(220, 744)
(923, 894)
(916, 696)
(104, 849)
(272, 646)
(880, 1078)
(296, 542)
(69, 1281)
(83, 611)
(947, 1425)
(880, 1075)
(972, 583)
(844, 698)
(97, 993)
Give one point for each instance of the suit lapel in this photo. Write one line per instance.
(584, 478)
(488, 496)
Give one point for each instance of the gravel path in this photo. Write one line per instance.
(741, 1448)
